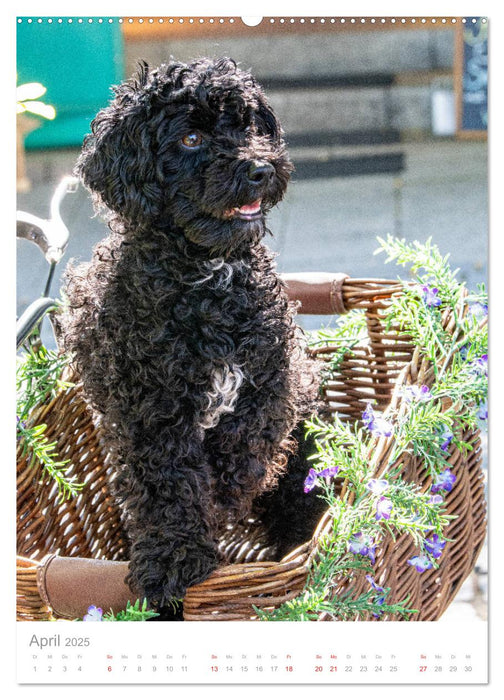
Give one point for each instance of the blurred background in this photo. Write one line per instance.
(386, 122)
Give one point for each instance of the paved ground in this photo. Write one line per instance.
(327, 224)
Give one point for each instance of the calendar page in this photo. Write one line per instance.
(284, 655)
(252, 350)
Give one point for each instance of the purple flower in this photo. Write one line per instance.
(94, 614)
(383, 508)
(328, 472)
(435, 546)
(464, 351)
(480, 366)
(446, 436)
(444, 481)
(376, 425)
(483, 410)
(374, 585)
(377, 486)
(417, 393)
(435, 500)
(478, 310)
(421, 563)
(430, 296)
(310, 481)
(360, 543)
(379, 600)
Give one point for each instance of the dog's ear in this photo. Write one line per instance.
(269, 120)
(118, 161)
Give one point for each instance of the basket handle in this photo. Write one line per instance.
(337, 293)
(69, 585)
(318, 292)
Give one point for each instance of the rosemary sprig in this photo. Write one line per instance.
(38, 380)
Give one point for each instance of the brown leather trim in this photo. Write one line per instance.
(318, 292)
(69, 585)
(337, 303)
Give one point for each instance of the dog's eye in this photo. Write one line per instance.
(192, 140)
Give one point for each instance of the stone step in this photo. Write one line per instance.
(297, 52)
(390, 163)
(355, 137)
(345, 80)
(401, 108)
(332, 79)
(346, 161)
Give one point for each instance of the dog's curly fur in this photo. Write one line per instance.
(180, 327)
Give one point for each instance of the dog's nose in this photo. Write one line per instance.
(259, 173)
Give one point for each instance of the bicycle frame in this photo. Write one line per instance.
(51, 237)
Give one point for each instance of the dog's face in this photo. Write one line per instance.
(192, 146)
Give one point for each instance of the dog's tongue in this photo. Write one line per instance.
(247, 210)
(250, 208)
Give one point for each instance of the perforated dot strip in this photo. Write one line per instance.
(288, 21)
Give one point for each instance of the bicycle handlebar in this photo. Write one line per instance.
(50, 235)
(31, 317)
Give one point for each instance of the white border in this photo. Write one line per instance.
(272, 8)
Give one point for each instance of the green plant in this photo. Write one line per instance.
(132, 613)
(38, 380)
(424, 423)
(27, 99)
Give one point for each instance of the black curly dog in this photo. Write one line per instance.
(180, 327)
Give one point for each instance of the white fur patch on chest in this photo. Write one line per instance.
(222, 395)
(216, 270)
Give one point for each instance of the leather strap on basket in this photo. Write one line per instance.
(318, 292)
(336, 294)
(70, 585)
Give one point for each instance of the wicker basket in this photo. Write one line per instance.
(89, 525)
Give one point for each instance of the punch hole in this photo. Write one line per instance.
(251, 21)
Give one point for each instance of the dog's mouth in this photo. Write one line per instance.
(247, 212)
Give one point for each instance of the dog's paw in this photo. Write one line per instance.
(163, 578)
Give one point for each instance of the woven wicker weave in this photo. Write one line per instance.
(90, 526)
